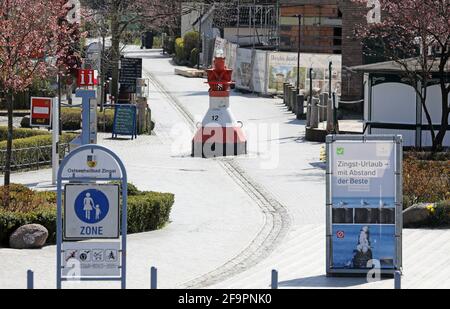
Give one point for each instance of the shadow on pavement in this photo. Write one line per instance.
(323, 282)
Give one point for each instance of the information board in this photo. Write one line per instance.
(364, 221)
(125, 117)
(130, 71)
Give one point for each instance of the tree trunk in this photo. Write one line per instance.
(7, 179)
(444, 121)
(423, 100)
(445, 107)
(115, 49)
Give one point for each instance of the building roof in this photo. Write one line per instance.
(394, 67)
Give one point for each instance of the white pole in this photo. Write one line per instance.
(55, 141)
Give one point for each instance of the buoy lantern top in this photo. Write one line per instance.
(220, 54)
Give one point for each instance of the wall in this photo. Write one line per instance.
(396, 103)
(321, 26)
(352, 51)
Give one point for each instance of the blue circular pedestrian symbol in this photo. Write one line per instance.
(91, 206)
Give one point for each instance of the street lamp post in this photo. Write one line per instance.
(330, 71)
(299, 16)
(311, 72)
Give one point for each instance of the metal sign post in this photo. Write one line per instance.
(364, 204)
(88, 117)
(55, 141)
(91, 212)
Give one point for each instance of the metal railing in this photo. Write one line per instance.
(31, 157)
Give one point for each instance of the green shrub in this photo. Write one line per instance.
(439, 215)
(20, 133)
(193, 60)
(30, 148)
(169, 45)
(147, 211)
(191, 40)
(180, 55)
(11, 221)
(132, 189)
(25, 122)
(71, 119)
(105, 120)
(39, 140)
(157, 42)
(425, 181)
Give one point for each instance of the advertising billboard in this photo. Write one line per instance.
(364, 198)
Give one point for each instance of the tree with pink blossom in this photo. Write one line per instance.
(415, 34)
(34, 41)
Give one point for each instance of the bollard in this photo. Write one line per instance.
(300, 110)
(308, 114)
(153, 278)
(294, 103)
(274, 284)
(323, 109)
(30, 280)
(293, 99)
(330, 118)
(288, 94)
(314, 114)
(285, 92)
(320, 108)
(289, 102)
(398, 280)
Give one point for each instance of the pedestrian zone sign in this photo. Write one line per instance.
(91, 211)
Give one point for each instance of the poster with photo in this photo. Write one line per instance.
(363, 182)
(356, 246)
(282, 68)
(259, 74)
(244, 69)
(231, 57)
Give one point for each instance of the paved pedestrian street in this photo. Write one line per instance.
(234, 218)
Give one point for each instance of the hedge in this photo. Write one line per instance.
(71, 120)
(425, 179)
(35, 141)
(440, 215)
(11, 221)
(147, 211)
(20, 133)
(30, 147)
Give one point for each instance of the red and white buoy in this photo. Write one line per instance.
(220, 134)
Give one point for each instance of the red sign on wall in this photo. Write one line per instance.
(87, 78)
(41, 112)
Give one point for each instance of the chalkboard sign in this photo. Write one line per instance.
(125, 121)
(131, 70)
